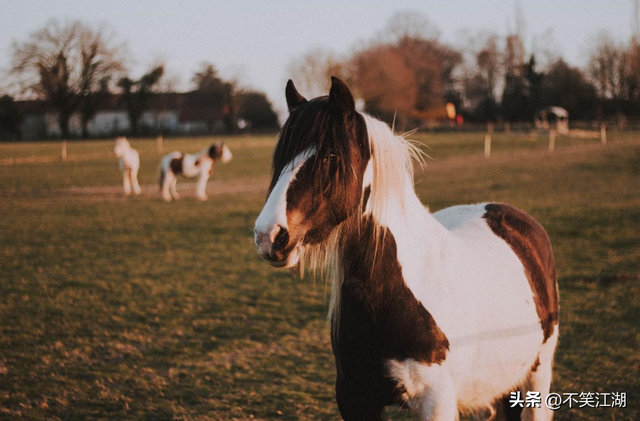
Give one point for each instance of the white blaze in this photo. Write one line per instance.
(274, 213)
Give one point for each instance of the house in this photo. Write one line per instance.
(168, 113)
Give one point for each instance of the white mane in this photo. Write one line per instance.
(389, 174)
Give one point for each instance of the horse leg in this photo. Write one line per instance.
(428, 389)
(539, 380)
(134, 182)
(355, 406)
(202, 185)
(126, 181)
(174, 190)
(169, 178)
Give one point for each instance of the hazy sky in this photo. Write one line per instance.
(257, 40)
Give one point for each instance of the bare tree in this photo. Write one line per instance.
(64, 63)
(607, 66)
(408, 24)
(312, 73)
(100, 63)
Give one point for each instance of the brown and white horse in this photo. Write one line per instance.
(444, 313)
(190, 166)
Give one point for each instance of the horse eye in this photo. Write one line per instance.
(331, 158)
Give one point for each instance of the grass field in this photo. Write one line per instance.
(114, 308)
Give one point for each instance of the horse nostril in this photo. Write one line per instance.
(282, 239)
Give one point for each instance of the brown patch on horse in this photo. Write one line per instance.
(531, 244)
(215, 152)
(535, 365)
(380, 320)
(176, 166)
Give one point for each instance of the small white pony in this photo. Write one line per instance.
(190, 165)
(129, 165)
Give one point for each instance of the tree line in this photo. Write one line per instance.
(406, 74)
(75, 68)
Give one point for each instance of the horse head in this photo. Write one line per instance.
(122, 145)
(318, 169)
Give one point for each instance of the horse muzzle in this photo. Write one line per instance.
(275, 246)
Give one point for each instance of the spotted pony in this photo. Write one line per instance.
(444, 313)
(198, 165)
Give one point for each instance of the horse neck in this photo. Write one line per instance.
(203, 154)
(393, 202)
(126, 148)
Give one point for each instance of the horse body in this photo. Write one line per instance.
(443, 313)
(129, 165)
(198, 165)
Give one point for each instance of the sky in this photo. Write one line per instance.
(256, 41)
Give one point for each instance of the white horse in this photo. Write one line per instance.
(129, 165)
(190, 165)
(444, 313)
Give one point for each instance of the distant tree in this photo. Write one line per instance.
(407, 73)
(63, 64)
(137, 93)
(9, 118)
(100, 64)
(606, 67)
(515, 104)
(213, 91)
(408, 24)
(568, 87)
(257, 110)
(385, 82)
(91, 101)
(534, 82)
(633, 76)
(481, 82)
(312, 73)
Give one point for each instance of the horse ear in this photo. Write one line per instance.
(294, 99)
(340, 98)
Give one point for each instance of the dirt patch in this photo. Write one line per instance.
(46, 159)
(245, 185)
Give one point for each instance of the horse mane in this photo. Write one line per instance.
(392, 157)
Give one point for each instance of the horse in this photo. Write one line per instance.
(190, 165)
(445, 313)
(129, 165)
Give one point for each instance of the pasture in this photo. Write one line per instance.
(116, 308)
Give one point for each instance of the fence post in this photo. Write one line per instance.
(507, 127)
(159, 143)
(487, 145)
(63, 151)
(603, 134)
(552, 140)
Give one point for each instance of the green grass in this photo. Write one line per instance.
(139, 309)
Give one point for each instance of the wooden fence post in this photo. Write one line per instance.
(487, 145)
(603, 134)
(552, 140)
(159, 143)
(63, 152)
